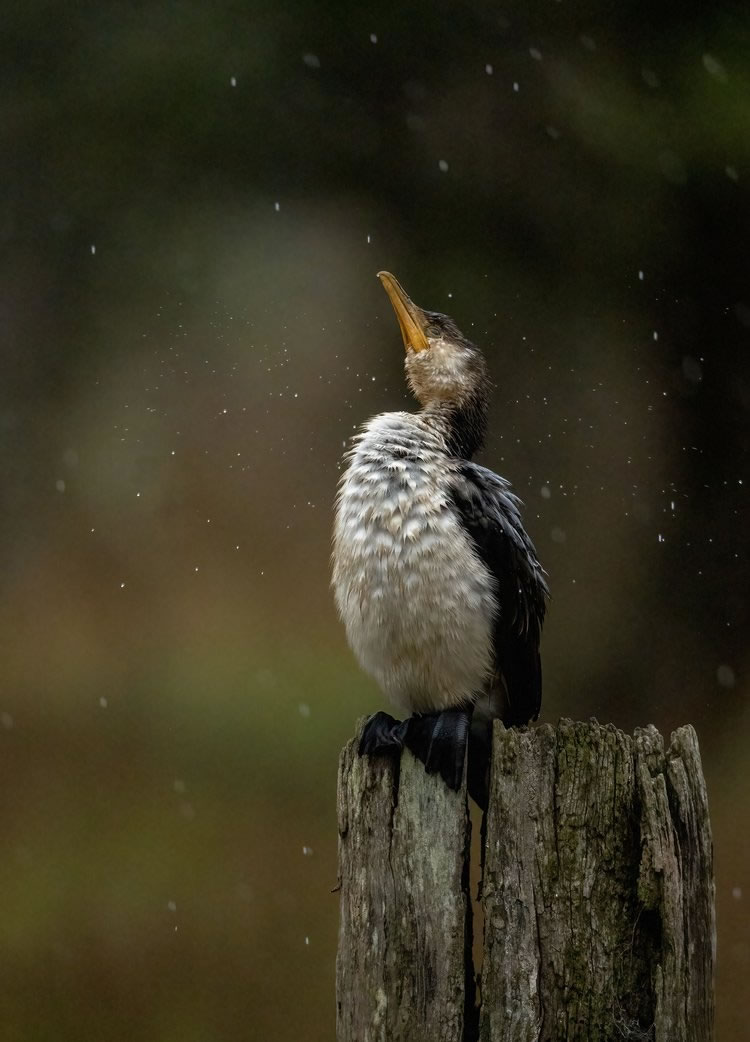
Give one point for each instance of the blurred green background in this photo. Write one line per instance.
(196, 200)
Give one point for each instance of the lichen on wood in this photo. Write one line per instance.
(598, 887)
(597, 892)
(405, 912)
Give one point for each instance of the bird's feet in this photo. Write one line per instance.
(437, 739)
(382, 735)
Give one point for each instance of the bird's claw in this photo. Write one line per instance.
(437, 739)
(382, 735)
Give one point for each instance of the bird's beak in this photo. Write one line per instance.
(411, 319)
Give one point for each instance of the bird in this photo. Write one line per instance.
(437, 583)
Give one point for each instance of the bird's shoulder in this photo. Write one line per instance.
(491, 513)
(484, 497)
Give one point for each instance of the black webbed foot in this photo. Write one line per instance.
(382, 735)
(439, 741)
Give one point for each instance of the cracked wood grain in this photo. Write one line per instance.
(598, 894)
(405, 922)
(598, 888)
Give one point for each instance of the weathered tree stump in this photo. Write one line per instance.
(597, 890)
(404, 961)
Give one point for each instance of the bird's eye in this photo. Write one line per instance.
(433, 329)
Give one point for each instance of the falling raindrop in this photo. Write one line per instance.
(725, 676)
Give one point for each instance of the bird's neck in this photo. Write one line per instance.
(462, 424)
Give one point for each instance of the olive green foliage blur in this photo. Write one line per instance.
(198, 197)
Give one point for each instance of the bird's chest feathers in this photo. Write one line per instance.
(401, 553)
(394, 516)
(416, 600)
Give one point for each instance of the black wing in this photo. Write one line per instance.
(490, 513)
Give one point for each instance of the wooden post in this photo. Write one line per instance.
(403, 969)
(597, 890)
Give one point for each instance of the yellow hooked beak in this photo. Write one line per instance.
(411, 319)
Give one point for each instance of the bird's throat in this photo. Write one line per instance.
(463, 425)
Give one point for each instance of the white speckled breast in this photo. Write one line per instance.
(416, 600)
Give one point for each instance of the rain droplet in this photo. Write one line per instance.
(714, 68)
(725, 676)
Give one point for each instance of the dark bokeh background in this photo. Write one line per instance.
(196, 200)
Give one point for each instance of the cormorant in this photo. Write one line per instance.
(435, 579)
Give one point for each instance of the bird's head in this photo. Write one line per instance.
(445, 371)
(441, 364)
